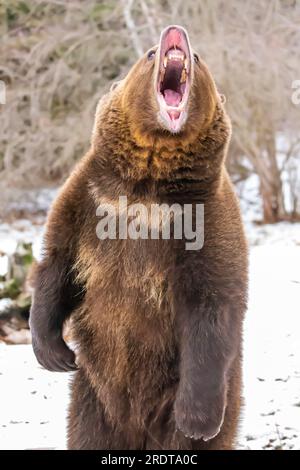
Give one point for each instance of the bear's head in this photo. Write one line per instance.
(170, 89)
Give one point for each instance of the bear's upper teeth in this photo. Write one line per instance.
(174, 55)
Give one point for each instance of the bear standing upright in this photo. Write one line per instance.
(158, 327)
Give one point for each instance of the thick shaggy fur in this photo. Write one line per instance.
(158, 328)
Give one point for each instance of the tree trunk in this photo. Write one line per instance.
(270, 182)
(271, 187)
(272, 201)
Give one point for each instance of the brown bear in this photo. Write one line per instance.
(157, 326)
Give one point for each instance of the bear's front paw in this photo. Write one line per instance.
(200, 416)
(54, 354)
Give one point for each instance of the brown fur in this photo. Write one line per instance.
(158, 328)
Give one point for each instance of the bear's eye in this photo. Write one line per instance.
(151, 55)
(196, 58)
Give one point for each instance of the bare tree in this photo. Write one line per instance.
(252, 50)
(57, 58)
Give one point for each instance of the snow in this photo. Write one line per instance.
(250, 201)
(17, 231)
(34, 401)
(30, 201)
(272, 353)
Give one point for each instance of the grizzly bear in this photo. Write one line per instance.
(157, 327)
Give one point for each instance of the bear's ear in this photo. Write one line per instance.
(114, 85)
(222, 98)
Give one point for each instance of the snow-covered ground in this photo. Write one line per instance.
(271, 416)
(34, 401)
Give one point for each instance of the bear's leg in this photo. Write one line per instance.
(226, 439)
(162, 432)
(88, 428)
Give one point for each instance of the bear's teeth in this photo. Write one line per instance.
(162, 75)
(175, 57)
(183, 76)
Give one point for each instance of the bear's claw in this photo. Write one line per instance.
(200, 420)
(55, 355)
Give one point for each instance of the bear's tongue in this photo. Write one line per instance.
(172, 98)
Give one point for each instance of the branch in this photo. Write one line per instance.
(127, 6)
(149, 19)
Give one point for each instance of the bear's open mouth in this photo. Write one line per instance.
(174, 76)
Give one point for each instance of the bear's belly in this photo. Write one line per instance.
(127, 343)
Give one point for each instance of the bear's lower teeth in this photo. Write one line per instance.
(183, 76)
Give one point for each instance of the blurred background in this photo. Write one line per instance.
(57, 58)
